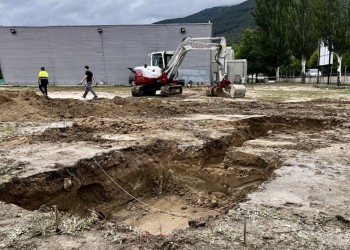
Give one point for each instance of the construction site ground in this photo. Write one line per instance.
(268, 171)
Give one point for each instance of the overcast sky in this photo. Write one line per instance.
(95, 12)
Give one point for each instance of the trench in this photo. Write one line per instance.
(215, 176)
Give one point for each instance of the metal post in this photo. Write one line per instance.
(245, 232)
(329, 63)
(345, 76)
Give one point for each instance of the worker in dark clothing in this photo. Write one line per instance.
(43, 80)
(89, 77)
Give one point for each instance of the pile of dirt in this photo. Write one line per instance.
(22, 106)
(28, 106)
(25, 105)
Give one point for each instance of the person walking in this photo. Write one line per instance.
(43, 80)
(89, 77)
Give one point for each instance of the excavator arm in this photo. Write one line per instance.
(204, 43)
(225, 88)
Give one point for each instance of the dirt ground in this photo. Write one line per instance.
(268, 171)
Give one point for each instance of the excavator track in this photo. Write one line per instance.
(137, 91)
(171, 90)
(142, 90)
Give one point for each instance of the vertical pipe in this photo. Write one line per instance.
(103, 58)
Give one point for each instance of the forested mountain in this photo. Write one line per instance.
(228, 21)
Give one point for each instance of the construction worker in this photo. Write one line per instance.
(43, 80)
(89, 77)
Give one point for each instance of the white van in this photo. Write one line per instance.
(313, 72)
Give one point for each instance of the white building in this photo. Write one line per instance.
(108, 49)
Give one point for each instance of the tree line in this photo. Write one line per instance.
(289, 31)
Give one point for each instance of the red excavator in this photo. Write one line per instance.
(163, 72)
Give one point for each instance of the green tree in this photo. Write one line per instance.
(346, 59)
(251, 48)
(271, 17)
(333, 20)
(301, 30)
(313, 60)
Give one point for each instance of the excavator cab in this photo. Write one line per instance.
(157, 59)
(161, 58)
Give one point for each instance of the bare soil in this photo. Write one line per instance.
(269, 171)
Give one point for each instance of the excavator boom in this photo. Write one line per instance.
(203, 43)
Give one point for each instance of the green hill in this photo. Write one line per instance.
(228, 21)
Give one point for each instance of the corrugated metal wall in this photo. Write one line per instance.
(65, 50)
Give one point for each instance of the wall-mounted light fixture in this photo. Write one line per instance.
(183, 30)
(13, 31)
(99, 30)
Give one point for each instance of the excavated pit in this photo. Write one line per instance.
(193, 181)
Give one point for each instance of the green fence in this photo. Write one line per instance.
(2, 81)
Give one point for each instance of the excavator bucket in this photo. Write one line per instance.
(230, 91)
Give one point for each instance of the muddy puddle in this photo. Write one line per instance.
(160, 186)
